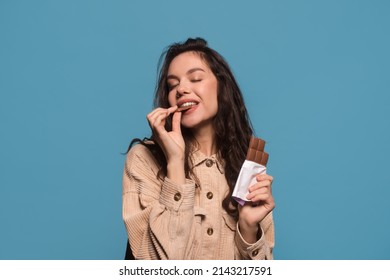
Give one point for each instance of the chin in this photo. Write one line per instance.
(193, 124)
(189, 124)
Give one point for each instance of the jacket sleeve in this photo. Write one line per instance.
(262, 249)
(158, 213)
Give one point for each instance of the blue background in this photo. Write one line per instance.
(77, 80)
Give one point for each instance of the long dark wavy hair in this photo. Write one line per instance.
(232, 125)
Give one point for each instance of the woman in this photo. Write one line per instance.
(177, 185)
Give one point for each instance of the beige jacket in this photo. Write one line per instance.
(165, 220)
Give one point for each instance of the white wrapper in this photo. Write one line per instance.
(247, 178)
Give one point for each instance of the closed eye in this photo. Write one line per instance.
(172, 86)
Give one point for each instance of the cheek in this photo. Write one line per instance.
(172, 99)
(214, 96)
(216, 105)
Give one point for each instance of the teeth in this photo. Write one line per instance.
(186, 104)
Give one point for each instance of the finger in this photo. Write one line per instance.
(159, 109)
(258, 185)
(176, 120)
(261, 177)
(159, 121)
(261, 197)
(152, 116)
(157, 124)
(156, 114)
(172, 109)
(257, 192)
(269, 204)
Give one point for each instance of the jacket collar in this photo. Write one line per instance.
(198, 158)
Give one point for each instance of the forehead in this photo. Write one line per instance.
(186, 61)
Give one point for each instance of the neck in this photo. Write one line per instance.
(205, 137)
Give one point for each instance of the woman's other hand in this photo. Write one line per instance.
(260, 205)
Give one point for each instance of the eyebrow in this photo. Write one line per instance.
(192, 70)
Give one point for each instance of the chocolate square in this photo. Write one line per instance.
(256, 151)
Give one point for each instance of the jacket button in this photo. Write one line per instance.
(209, 163)
(255, 252)
(209, 195)
(177, 196)
(210, 231)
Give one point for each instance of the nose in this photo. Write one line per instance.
(182, 89)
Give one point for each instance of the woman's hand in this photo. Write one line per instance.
(171, 142)
(252, 213)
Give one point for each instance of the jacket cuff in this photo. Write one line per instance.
(255, 251)
(178, 196)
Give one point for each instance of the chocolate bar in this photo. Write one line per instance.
(185, 106)
(256, 151)
(181, 109)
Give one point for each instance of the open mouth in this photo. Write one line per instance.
(185, 106)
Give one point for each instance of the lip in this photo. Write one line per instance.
(187, 109)
(190, 110)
